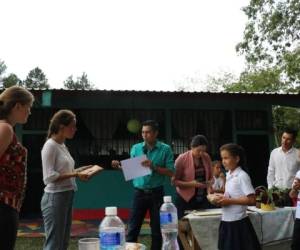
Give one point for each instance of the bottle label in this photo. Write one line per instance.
(110, 239)
(165, 218)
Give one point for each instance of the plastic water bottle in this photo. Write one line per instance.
(112, 231)
(169, 224)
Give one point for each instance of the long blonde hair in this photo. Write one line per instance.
(62, 117)
(11, 96)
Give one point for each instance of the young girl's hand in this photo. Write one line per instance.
(214, 198)
(224, 201)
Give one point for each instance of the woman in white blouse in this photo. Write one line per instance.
(59, 177)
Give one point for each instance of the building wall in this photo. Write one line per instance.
(102, 136)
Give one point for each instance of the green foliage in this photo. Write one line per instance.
(286, 117)
(292, 65)
(220, 81)
(264, 195)
(2, 67)
(11, 80)
(272, 35)
(275, 196)
(36, 79)
(82, 82)
(260, 80)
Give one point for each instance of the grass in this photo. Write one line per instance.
(37, 243)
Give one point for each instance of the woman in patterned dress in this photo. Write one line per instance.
(15, 105)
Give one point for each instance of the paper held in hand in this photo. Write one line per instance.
(91, 170)
(133, 168)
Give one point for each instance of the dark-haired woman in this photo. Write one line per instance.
(59, 177)
(15, 104)
(193, 173)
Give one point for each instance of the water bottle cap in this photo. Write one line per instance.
(167, 198)
(111, 211)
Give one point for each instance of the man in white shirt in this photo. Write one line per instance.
(284, 162)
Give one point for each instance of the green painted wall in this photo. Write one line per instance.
(106, 189)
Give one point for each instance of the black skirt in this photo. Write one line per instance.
(237, 235)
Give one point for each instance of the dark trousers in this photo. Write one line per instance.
(192, 204)
(9, 220)
(144, 200)
(296, 236)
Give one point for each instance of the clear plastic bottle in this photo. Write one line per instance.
(169, 224)
(112, 231)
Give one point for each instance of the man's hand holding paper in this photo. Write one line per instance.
(136, 167)
(147, 163)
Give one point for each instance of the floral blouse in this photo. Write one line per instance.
(13, 174)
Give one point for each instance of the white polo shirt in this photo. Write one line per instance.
(238, 184)
(283, 167)
(298, 200)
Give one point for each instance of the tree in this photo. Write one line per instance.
(11, 80)
(260, 80)
(271, 36)
(2, 70)
(286, 117)
(82, 82)
(69, 83)
(255, 80)
(36, 79)
(220, 81)
(2, 67)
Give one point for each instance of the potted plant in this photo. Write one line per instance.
(266, 198)
(282, 197)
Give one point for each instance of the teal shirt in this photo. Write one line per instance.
(161, 155)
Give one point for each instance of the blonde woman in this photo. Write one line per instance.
(15, 105)
(59, 177)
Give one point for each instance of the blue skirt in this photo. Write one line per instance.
(237, 235)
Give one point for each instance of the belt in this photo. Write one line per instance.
(149, 190)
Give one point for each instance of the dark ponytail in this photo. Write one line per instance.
(198, 140)
(236, 150)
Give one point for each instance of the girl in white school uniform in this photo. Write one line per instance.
(294, 193)
(236, 231)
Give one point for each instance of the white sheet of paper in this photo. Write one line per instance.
(132, 168)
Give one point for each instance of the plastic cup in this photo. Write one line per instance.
(88, 244)
(135, 246)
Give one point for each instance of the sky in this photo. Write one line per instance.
(122, 44)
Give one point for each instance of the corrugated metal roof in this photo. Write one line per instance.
(167, 92)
